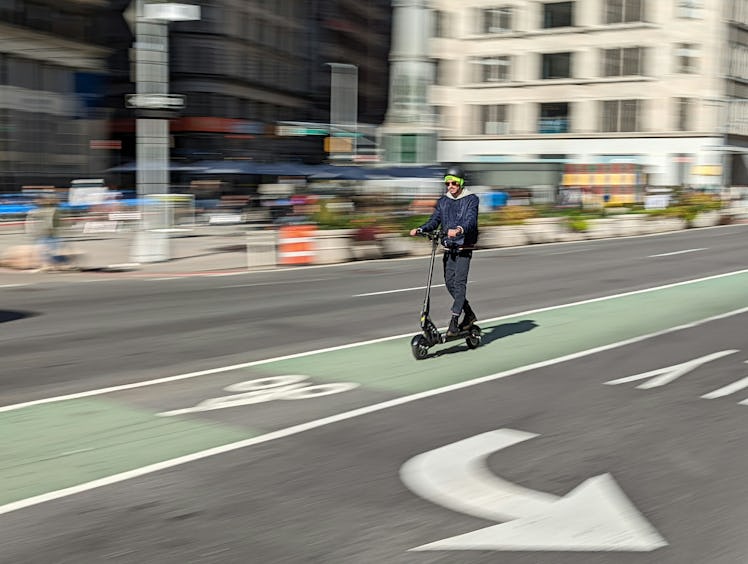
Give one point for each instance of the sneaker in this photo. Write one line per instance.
(454, 327)
(467, 321)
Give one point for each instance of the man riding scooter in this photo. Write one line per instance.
(457, 213)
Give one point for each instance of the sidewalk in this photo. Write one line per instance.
(200, 250)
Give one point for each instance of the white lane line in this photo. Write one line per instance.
(729, 389)
(297, 429)
(678, 252)
(188, 375)
(396, 291)
(280, 283)
(402, 290)
(13, 285)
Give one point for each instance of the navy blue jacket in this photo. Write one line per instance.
(451, 213)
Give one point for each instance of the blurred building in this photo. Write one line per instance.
(661, 85)
(250, 66)
(410, 132)
(354, 33)
(52, 82)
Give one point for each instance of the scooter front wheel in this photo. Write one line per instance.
(419, 347)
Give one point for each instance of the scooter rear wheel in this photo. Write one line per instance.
(473, 340)
(419, 347)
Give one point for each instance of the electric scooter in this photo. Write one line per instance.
(430, 335)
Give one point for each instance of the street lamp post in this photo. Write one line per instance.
(153, 102)
(344, 102)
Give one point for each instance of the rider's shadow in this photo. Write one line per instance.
(493, 334)
(506, 329)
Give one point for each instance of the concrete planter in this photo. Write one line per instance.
(663, 224)
(544, 229)
(418, 246)
(631, 224)
(332, 246)
(502, 236)
(601, 228)
(570, 236)
(391, 245)
(706, 219)
(673, 224)
(366, 250)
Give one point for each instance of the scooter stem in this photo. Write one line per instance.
(434, 236)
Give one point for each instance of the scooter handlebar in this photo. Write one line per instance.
(436, 234)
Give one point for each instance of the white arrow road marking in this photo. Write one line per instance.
(595, 516)
(663, 376)
(729, 389)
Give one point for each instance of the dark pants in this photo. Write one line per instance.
(456, 268)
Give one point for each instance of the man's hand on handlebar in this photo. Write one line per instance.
(434, 235)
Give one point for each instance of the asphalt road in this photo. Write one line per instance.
(252, 450)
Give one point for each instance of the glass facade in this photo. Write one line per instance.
(51, 93)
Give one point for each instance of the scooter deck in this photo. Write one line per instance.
(421, 343)
(473, 331)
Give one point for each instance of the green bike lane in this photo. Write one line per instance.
(61, 447)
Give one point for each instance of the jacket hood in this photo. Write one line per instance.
(465, 192)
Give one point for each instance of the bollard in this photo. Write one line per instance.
(261, 249)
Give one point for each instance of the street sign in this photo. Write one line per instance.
(155, 101)
(171, 12)
(283, 130)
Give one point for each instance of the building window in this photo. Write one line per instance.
(3, 70)
(687, 58)
(621, 11)
(554, 118)
(623, 61)
(684, 121)
(558, 14)
(441, 117)
(497, 20)
(620, 115)
(440, 27)
(738, 61)
(492, 69)
(409, 148)
(493, 120)
(443, 72)
(556, 65)
(690, 9)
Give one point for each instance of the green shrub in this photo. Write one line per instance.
(413, 221)
(327, 218)
(577, 223)
(508, 215)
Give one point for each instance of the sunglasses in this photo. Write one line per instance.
(451, 183)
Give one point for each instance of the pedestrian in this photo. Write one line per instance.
(457, 214)
(43, 224)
